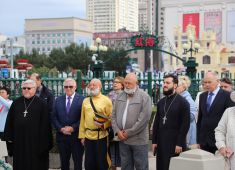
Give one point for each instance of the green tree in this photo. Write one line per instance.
(43, 71)
(115, 60)
(78, 56)
(58, 59)
(36, 59)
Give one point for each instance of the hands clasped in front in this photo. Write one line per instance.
(122, 135)
(178, 149)
(67, 130)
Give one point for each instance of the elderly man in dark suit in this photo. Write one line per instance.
(66, 119)
(212, 105)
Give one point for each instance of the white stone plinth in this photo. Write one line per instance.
(197, 159)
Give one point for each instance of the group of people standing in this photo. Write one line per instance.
(83, 124)
(180, 124)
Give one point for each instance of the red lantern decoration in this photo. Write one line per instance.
(3, 63)
(29, 66)
(21, 68)
(6, 66)
(22, 61)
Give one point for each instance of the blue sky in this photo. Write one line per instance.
(14, 12)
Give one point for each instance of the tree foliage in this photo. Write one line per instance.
(115, 60)
(75, 57)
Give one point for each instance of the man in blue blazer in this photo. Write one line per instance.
(66, 119)
(212, 105)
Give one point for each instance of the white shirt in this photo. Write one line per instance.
(215, 93)
(125, 114)
(71, 99)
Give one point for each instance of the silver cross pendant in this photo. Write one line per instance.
(25, 113)
(164, 120)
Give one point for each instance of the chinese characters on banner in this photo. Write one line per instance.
(145, 41)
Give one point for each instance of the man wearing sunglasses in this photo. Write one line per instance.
(66, 119)
(28, 129)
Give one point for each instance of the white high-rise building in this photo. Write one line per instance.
(111, 15)
(147, 15)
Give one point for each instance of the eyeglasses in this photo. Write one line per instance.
(68, 87)
(28, 88)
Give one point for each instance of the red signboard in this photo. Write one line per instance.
(192, 19)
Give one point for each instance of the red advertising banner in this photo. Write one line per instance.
(192, 19)
(213, 22)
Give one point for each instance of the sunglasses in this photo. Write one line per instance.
(68, 87)
(28, 88)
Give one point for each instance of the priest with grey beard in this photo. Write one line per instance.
(130, 117)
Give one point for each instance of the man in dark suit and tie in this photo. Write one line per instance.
(66, 119)
(212, 104)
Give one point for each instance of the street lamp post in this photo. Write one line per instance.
(191, 62)
(10, 40)
(98, 65)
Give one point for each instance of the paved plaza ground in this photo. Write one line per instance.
(152, 162)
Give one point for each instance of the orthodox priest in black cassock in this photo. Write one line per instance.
(28, 128)
(170, 127)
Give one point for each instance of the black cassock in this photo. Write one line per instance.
(173, 133)
(30, 134)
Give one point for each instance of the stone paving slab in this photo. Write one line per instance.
(152, 162)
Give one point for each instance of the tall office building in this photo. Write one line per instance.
(111, 15)
(147, 15)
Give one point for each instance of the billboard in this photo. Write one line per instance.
(230, 26)
(213, 22)
(192, 19)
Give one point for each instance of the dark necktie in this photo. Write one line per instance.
(68, 104)
(208, 102)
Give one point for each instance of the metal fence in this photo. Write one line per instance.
(149, 82)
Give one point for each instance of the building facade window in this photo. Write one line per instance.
(206, 59)
(231, 60)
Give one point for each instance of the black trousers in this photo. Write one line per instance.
(211, 149)
(70, 146)
(96, 154)
(1, 135)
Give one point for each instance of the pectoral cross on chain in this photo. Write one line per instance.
(25, 113)
(164, 120)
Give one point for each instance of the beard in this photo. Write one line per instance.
(94, 92)
(168, 92)
(129, 91)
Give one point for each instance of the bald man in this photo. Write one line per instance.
(212, 105)
(93, 129)
(130, 117)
